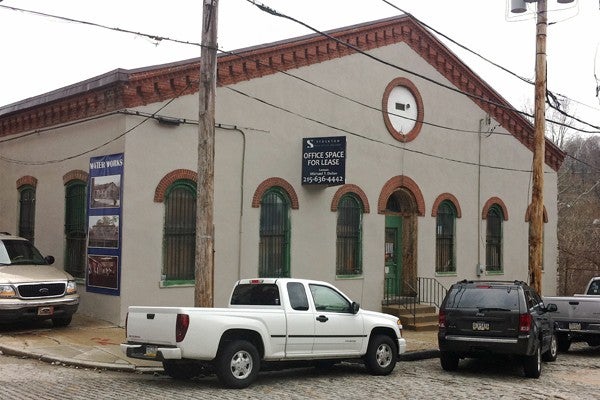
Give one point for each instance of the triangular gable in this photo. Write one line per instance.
(131, 88)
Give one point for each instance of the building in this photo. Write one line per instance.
(367, 168)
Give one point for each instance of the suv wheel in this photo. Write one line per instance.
(533, 364)
(449, 361)
(552, 352)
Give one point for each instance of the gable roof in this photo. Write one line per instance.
(122, 88)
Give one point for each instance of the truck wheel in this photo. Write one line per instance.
(237, 364)
(449, 361)
(178, 369)
(552, 352)
(563, 343)
(533, 364)
(62, 321)
(381, 355)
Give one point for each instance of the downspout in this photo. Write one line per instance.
(235, 128)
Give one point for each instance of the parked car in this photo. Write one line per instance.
(30, 288)
(270, 321)
(492, 318)
(578, 316)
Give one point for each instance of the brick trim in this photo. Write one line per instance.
(395, 183)
(275, 182)
(442, 197)
(488, 204)
(133, 88)
(354, 189)
(403, 137)
(528, 214)
(75, 175)
(26, 180)
(169, 179)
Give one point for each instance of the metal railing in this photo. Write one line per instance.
(420, 291)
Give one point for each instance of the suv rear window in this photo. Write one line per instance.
(488, 297)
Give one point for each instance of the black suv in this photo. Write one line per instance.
(485, 318)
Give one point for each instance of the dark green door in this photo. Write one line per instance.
(393, 255)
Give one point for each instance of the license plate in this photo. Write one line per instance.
(481, 326)
(574, 326)
(45, 310)
(151, 351)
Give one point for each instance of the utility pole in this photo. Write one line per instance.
(536, 217)
(204, 268)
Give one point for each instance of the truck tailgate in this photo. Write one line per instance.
(154, 325)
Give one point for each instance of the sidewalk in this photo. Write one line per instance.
(92, 343)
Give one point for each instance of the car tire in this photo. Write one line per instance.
(381, 355)
(59, 322)
(564, 343)
(532, 365)
(552, 352)
(183, 370)
(237, 364)
(449, 361)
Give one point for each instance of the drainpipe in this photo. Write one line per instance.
(235, 128)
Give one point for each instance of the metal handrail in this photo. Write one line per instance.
(422, 291)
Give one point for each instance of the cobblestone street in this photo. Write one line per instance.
(575, 375)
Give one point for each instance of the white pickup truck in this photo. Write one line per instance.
(578, 316)
(268, 321)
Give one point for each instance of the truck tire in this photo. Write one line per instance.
(183, 370)
(381, 355)
(237, 364)
(532, 365)
(449, 361)
(563, 343)
(552, 352)
(62, 321)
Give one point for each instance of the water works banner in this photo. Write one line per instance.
(104, 224)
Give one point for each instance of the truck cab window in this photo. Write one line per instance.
(327, 299)
(298, 299)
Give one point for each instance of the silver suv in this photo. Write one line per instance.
(31, 289)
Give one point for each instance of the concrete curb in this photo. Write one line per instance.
(11, 351)
(419, 355)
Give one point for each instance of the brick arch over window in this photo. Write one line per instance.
(443, 197)
(396, 183)
(528, 214)
(275, 182)
(27, 180)
(169, 179)
(490, 203)
(345, 189)
(75, 175)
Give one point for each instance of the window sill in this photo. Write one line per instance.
(349, 277)
(176, 283)
(449, 273)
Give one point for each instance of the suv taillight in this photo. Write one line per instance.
(525, 323)
(181, 327)
(442, 319)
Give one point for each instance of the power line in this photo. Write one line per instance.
(162, 38)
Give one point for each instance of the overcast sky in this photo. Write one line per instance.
(41, 54)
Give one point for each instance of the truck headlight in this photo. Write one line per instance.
(71, 287)
(7, 292)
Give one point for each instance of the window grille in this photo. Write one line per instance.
(27, 212)
(493, 251)
(75, 233)
(445, 261)
(274, 244)
(179, 235)
(348, 244)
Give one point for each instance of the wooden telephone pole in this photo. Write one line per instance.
(204, 268)
(536, 216)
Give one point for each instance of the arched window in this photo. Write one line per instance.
(349, 236)
(75, 233)
(493, 247)
(27, 212)
(445, 243)
(274, 244)
(179, 235)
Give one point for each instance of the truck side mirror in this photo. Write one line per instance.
(49, 260)
(355, 307)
